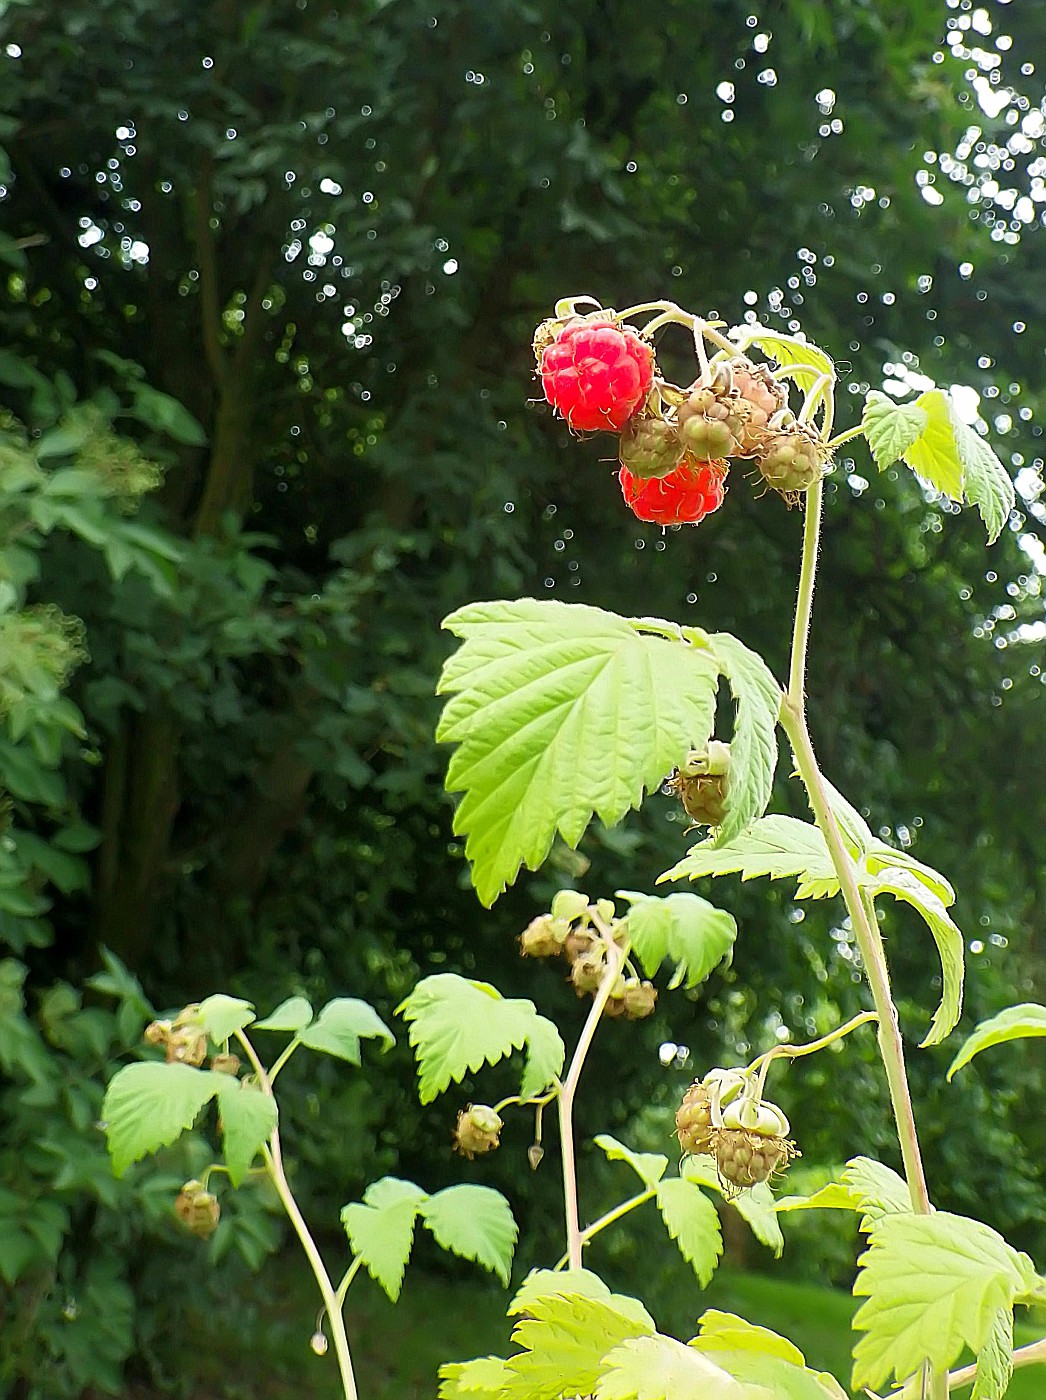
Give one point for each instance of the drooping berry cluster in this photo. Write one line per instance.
(579, 932)
(674, 444)
(748, 1138)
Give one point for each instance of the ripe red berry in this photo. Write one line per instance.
(684, 497)
(595, 374)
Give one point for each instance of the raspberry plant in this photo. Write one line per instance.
(559, 713)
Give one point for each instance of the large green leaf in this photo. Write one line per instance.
(556, 1283)
(760, 1357)
(727, 1332)
(148, 1105)
(905, 884)
(934, 455)
(248, 1119)
(890, 428)
(934, 1284)
(691, 1220)
(756, 1207)
(789, 351)
(864, 1185)
(988, 484)
(775, 847)
(753, 748)
(564, 1339)
(338, 1028)
(1015, 1023)
(457, 1025)
(221, 1016)
(660, 1368)
(381, 1229)
(995, 1362)
(560, 712)
(694, 934)
(650, 1167)
(476, 1223)
(486, 1377)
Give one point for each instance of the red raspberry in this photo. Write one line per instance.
(684, 497)
(596, 375)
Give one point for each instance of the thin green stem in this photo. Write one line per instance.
(347, 1277)
(762, 1063)
(273, 1158)
(858, 904)
(282, 1059)
(538, 1102)
(848, 436)
(567, 1092)
(590, 1231)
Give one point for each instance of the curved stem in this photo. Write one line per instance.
(762, 1063)
(859, 905)
(567, 1092)
(590, 1231)
(273, 1158)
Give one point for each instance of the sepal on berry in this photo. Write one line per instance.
(478, 1130)
(197, 1209)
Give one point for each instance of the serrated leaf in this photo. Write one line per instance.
(148, 1105)
(558, 1283)
(650, 1167)
(905, 885)
(560, 711)
(756, 1207)
(565, 1339)
(1015, 1023)
(691, 1220)
(834, 1195)
(891, 428)
(725, 1331)
(486, 1377)
(222, 1016)
(880, 856)
(545, 1056)
(694, 934)
(249, 1119)
(988, 484)
(476, 1223)
(339, 1027)
(878, 1188)
(775, 847)
(457, 1025)
(381, 1229)
(294, 1014)
(934, 1284)
(788, 351)
(772, 1375)
(934, 454)
(995, 1362)
(753, 746)
(661, 1368)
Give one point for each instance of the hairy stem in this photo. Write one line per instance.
(567, 1093)
(859, 904)
(273, 1158)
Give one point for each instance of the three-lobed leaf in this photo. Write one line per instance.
(340, 1026)
(694, 934)
(148, 1105)
(650, 1167)
(891, 428)
(1015, 1023)
(458, 1025)
(933, 1285)
(474, 1222)
(775, 846)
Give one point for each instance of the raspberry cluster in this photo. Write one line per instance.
(569, 932)
(747, 1139)
(674, 444)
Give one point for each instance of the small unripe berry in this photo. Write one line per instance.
(225, 1064)
(694, 1121)
(650, 447)
(197, 1209)
(744, 1158)
(587, 972)
(543, 937)
(478, 1130)
(791, 459)
(640, 999)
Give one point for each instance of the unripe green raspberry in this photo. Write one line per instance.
(587, 972)
(577, 944)
(197, 1209)
(707, 438)
(791, 459)
(226, 1064)
(543, 937)
(650, 447)
(745, 1158)
(478, 1130)
(640, 999)
(694, 1121)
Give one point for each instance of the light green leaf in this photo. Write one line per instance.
(341, 1024)
(474, 1222)
(891, 428)
(832, 1196)
(878, 1188)
(724, 1331)
(660, 1368)
(775, 847)
(457, 1025)
(560, 711)
(691, 1220)
(788, 351)
(486, 1377)
(558, 1283)
(934, 1284)
(857, 835)
(565, 1339)
(756, 1207)
(988, 483)
(381, 1229)
(905, 885)
(772, 1375)
(934, 455)
(294, 1014)
(248, 1119)
(753, 747)
(1015, 1023)
(545, 1056)
(650, 1167)
(880, 855)
(995, 1362)
(148, 1105)
(221, 1016)
(693, 933)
